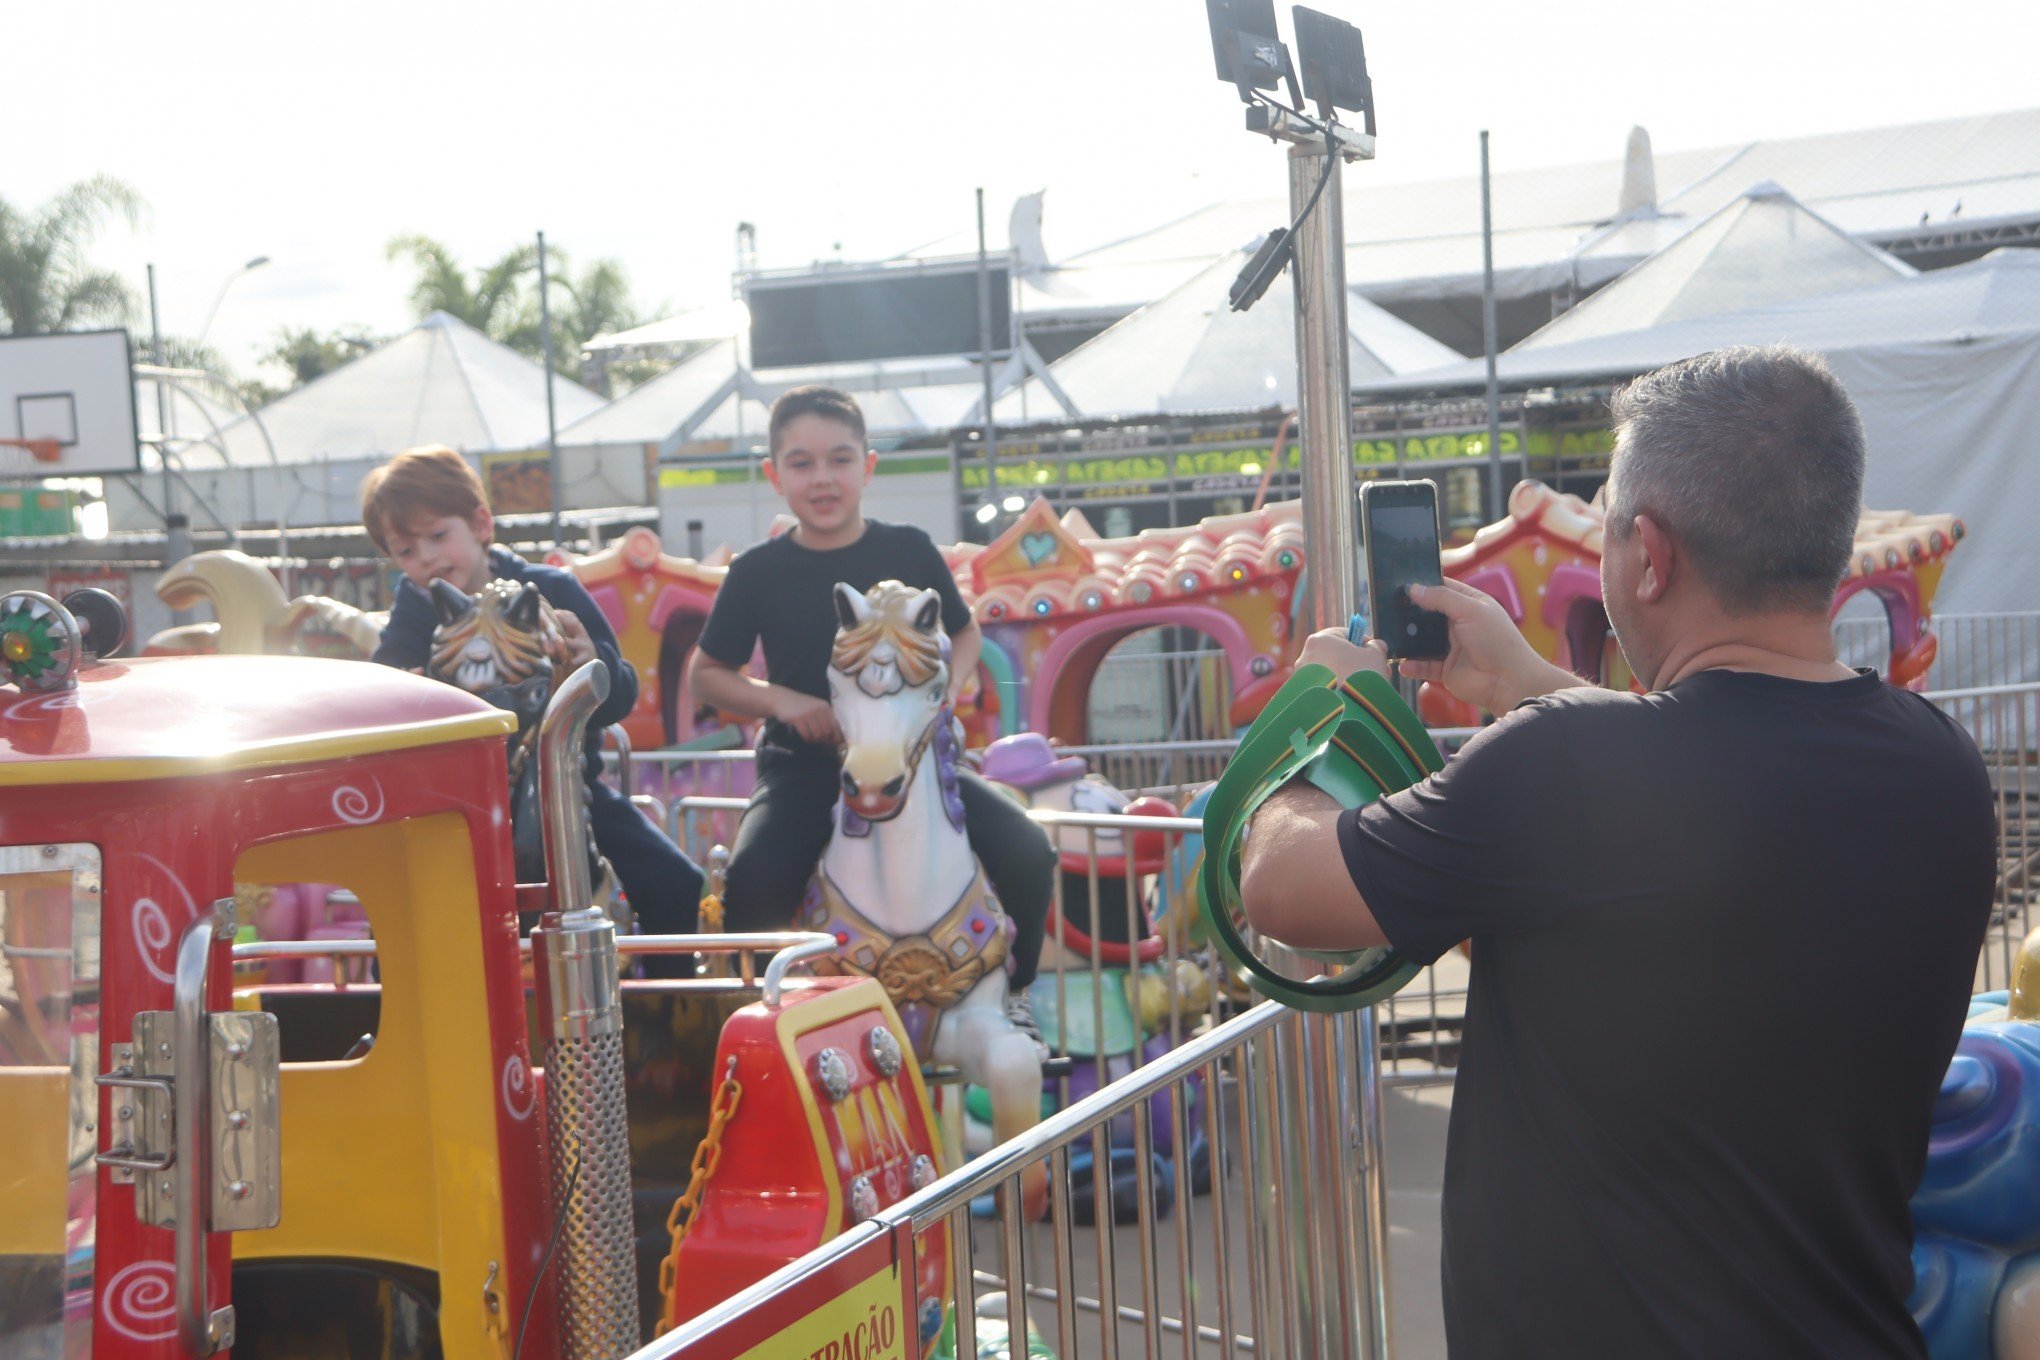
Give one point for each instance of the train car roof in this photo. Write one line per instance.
(176, 717)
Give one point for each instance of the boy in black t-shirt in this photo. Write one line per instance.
(780, 592)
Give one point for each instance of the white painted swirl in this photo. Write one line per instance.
(152, 935)
(155, 932)
(140, 1301)
(43, 705)
(354, 807)
(519, 1095)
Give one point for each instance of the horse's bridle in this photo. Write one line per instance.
(914, 754)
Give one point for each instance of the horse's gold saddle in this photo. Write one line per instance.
(935, 967)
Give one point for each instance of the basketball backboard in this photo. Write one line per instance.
(77, 389)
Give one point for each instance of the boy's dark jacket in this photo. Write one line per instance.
(407, 640)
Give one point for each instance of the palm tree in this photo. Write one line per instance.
(488, 302)
(46, 283)
(596, 300)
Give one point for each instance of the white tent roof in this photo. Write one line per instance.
(700, 325)
(1190, 352)
(443, 382)
(193, 412)
(1764, 247)
(1996, 295)
(1878, 183)
(897, 398)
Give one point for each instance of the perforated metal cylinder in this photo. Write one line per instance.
(582, 1015)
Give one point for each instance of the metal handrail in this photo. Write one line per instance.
(619, 759)
(200, 1331)
(1098, 821)
(789, 947)
(1980, 691)
(987, 1172)
(304, 949)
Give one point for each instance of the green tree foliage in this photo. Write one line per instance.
(488, 300)
(501, 300)
(46, 281)
(306, 354)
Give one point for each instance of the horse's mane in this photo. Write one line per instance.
(519, 653)
(886, 648)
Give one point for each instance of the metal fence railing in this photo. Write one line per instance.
(1139, 696)
(1972, 650)
(1282, 1253)
(2005, 723)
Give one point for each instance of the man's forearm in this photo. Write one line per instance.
(1294, 883)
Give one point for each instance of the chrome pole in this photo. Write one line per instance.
(201, 1329)
(1332, 548)
(581, 1018)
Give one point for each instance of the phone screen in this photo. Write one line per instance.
(1401, 525)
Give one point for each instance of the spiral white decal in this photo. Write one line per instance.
(518, 1093)
(354, 807)
(152, 935)
(153, 928)
(140, 1301)
(56, 701)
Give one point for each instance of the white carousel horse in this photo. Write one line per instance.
(898, 885)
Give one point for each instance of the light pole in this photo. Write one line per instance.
(221, 296)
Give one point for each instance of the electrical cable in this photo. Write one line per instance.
(573, 1178)
(1275, 254)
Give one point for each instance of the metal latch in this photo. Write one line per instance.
(243, 1120)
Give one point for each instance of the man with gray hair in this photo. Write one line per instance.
(1723, 932)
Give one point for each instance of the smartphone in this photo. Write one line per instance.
(1399, 531)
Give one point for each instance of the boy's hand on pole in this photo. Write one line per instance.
(813, 718)
(580, 647)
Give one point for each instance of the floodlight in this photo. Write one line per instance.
(987, 512)
(1248, 50)
(1260, 271)
(1334, 64)
(1013, 505)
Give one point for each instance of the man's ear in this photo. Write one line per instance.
(1661, 564)
(483, 522)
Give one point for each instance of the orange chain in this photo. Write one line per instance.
(706, 1158)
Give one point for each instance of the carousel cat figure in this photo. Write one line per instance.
(898, 885)
(504, 644)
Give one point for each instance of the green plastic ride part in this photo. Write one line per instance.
(1355, 739)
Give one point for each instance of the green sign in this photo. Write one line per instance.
(724, 474)
(33, 512)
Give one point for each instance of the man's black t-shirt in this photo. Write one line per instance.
(784, 594)
(1722, 937)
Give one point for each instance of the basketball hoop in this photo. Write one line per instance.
(19, 457)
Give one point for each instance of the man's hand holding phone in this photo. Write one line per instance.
(1489, 665)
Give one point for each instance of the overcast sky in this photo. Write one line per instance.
(646, 129)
